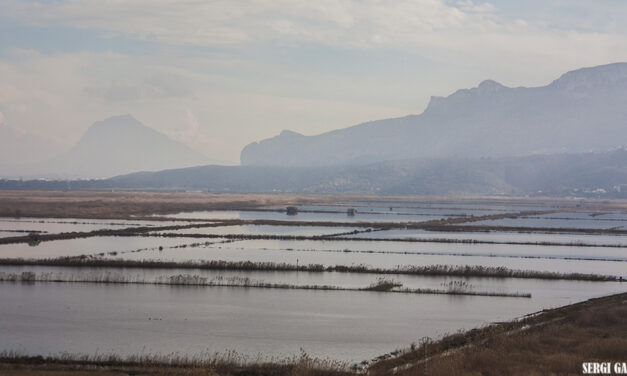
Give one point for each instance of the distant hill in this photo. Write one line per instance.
(587, 174)
(582, 111)
(119, 145)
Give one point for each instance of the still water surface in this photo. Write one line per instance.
(43, 318)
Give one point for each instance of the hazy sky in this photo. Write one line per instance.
(220, 74)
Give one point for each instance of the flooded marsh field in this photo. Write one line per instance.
(346, 280)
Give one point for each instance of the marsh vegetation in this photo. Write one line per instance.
(381, 285)
(429, 270)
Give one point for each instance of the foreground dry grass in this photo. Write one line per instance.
(58, 370)
(106, 365)
(558, 348)
(553, 343)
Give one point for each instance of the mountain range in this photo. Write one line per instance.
(582, 111)
(114, 146)
(583, 174)
(562, 139)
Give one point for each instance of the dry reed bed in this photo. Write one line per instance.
(427, 270)
(130, 204)
(382, 285)
(25, 231)
(206, 364)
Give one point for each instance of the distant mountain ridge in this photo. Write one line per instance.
(585, 174)
(581, 111)
(122, 144)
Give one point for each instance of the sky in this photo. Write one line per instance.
(219, 74)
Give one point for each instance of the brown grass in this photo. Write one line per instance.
(555, 342)
(268, 266)
(381, 286)
(123, 204)
(230, 363)
(559, 348)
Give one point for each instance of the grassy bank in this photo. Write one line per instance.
(381, 285)
(132, 204)
(427, 270)
(230, 363)
(551, 342)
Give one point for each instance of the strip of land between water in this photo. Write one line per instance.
(428, 270)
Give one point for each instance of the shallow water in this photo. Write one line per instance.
(602, 216)
(10, 234)
(540, 222)
(308, 216)
(43, 318)
(469, 249)
(395, 209)
(58, 225)
(239, 251)
(90, 246)
(497, 236)
(266, 230)
(447, 204)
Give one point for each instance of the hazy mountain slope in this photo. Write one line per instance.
(583, 110)
(559, 175)
(121, 144)
(434, 177)
(231, 178)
